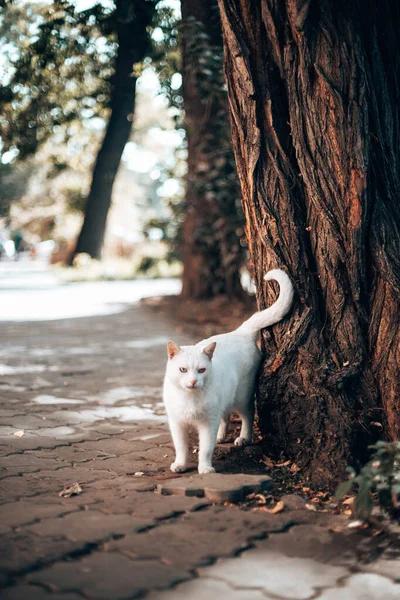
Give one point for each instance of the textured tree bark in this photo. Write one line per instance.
(210, 246)
(313, 87)
(131, 22)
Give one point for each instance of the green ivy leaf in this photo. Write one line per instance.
(343, 489)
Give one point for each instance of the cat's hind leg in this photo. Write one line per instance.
(180, 438)
(246, 432)
(223, 427)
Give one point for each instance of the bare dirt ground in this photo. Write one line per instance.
(81, 402)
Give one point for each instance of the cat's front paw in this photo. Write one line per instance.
(204, 470)
(240, 441)
(178, 468)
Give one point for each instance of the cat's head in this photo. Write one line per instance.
(189, 367)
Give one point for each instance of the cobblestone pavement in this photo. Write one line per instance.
(81, 402)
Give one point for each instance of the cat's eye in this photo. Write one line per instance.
(183, 370)
(201, 370)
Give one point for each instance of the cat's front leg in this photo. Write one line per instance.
(207, 441)
(180, 438)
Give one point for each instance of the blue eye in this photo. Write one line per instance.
(201, 370)
(183, 370)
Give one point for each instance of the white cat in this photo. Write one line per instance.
(204, 383)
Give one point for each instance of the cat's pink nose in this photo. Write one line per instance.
(193, 382)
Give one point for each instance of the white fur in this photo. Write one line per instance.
(205, 400)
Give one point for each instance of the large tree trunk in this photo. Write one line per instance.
(211, 249)
(131, 21)
(313, 87)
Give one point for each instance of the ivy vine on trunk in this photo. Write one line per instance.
(211, 250)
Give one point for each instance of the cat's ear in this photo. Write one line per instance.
(173, 349)
(209, 350)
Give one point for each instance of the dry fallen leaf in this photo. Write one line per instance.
(284, 464)
(311, 507)
(138, 474)
(295, 468)
(348, 512)
(267, 461)
(279, 507)
(349, 500)
(70, 490)
(258, 497)
(18, 433)
(377, 532)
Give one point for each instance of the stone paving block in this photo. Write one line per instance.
(245, 523)
(149, 506)
(30, 441)
(87, 526)
(9, 412)
(66, 433)
(23, 463)
(6, 433)
(207, 589)
(108, 575)
(182, 546)
(34, 592)
(364, 586)
(83, 473)
(388, 565)
(122, 465)
(312, 541)
(159, 455)
(47, 482)
(158, 437)
(16, 514)
(24, 550)
(113, 428)
(75, 453)
(216, 486)
(28, 421)
(277, 574)
(113, 446)
(123, 483)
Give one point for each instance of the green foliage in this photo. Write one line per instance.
(13, 184)
(166, 55)
(380, 477)
(75, 200)
(59, 62)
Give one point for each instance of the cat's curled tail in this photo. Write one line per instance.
(276, 312)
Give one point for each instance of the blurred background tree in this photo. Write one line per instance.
(130, 21)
